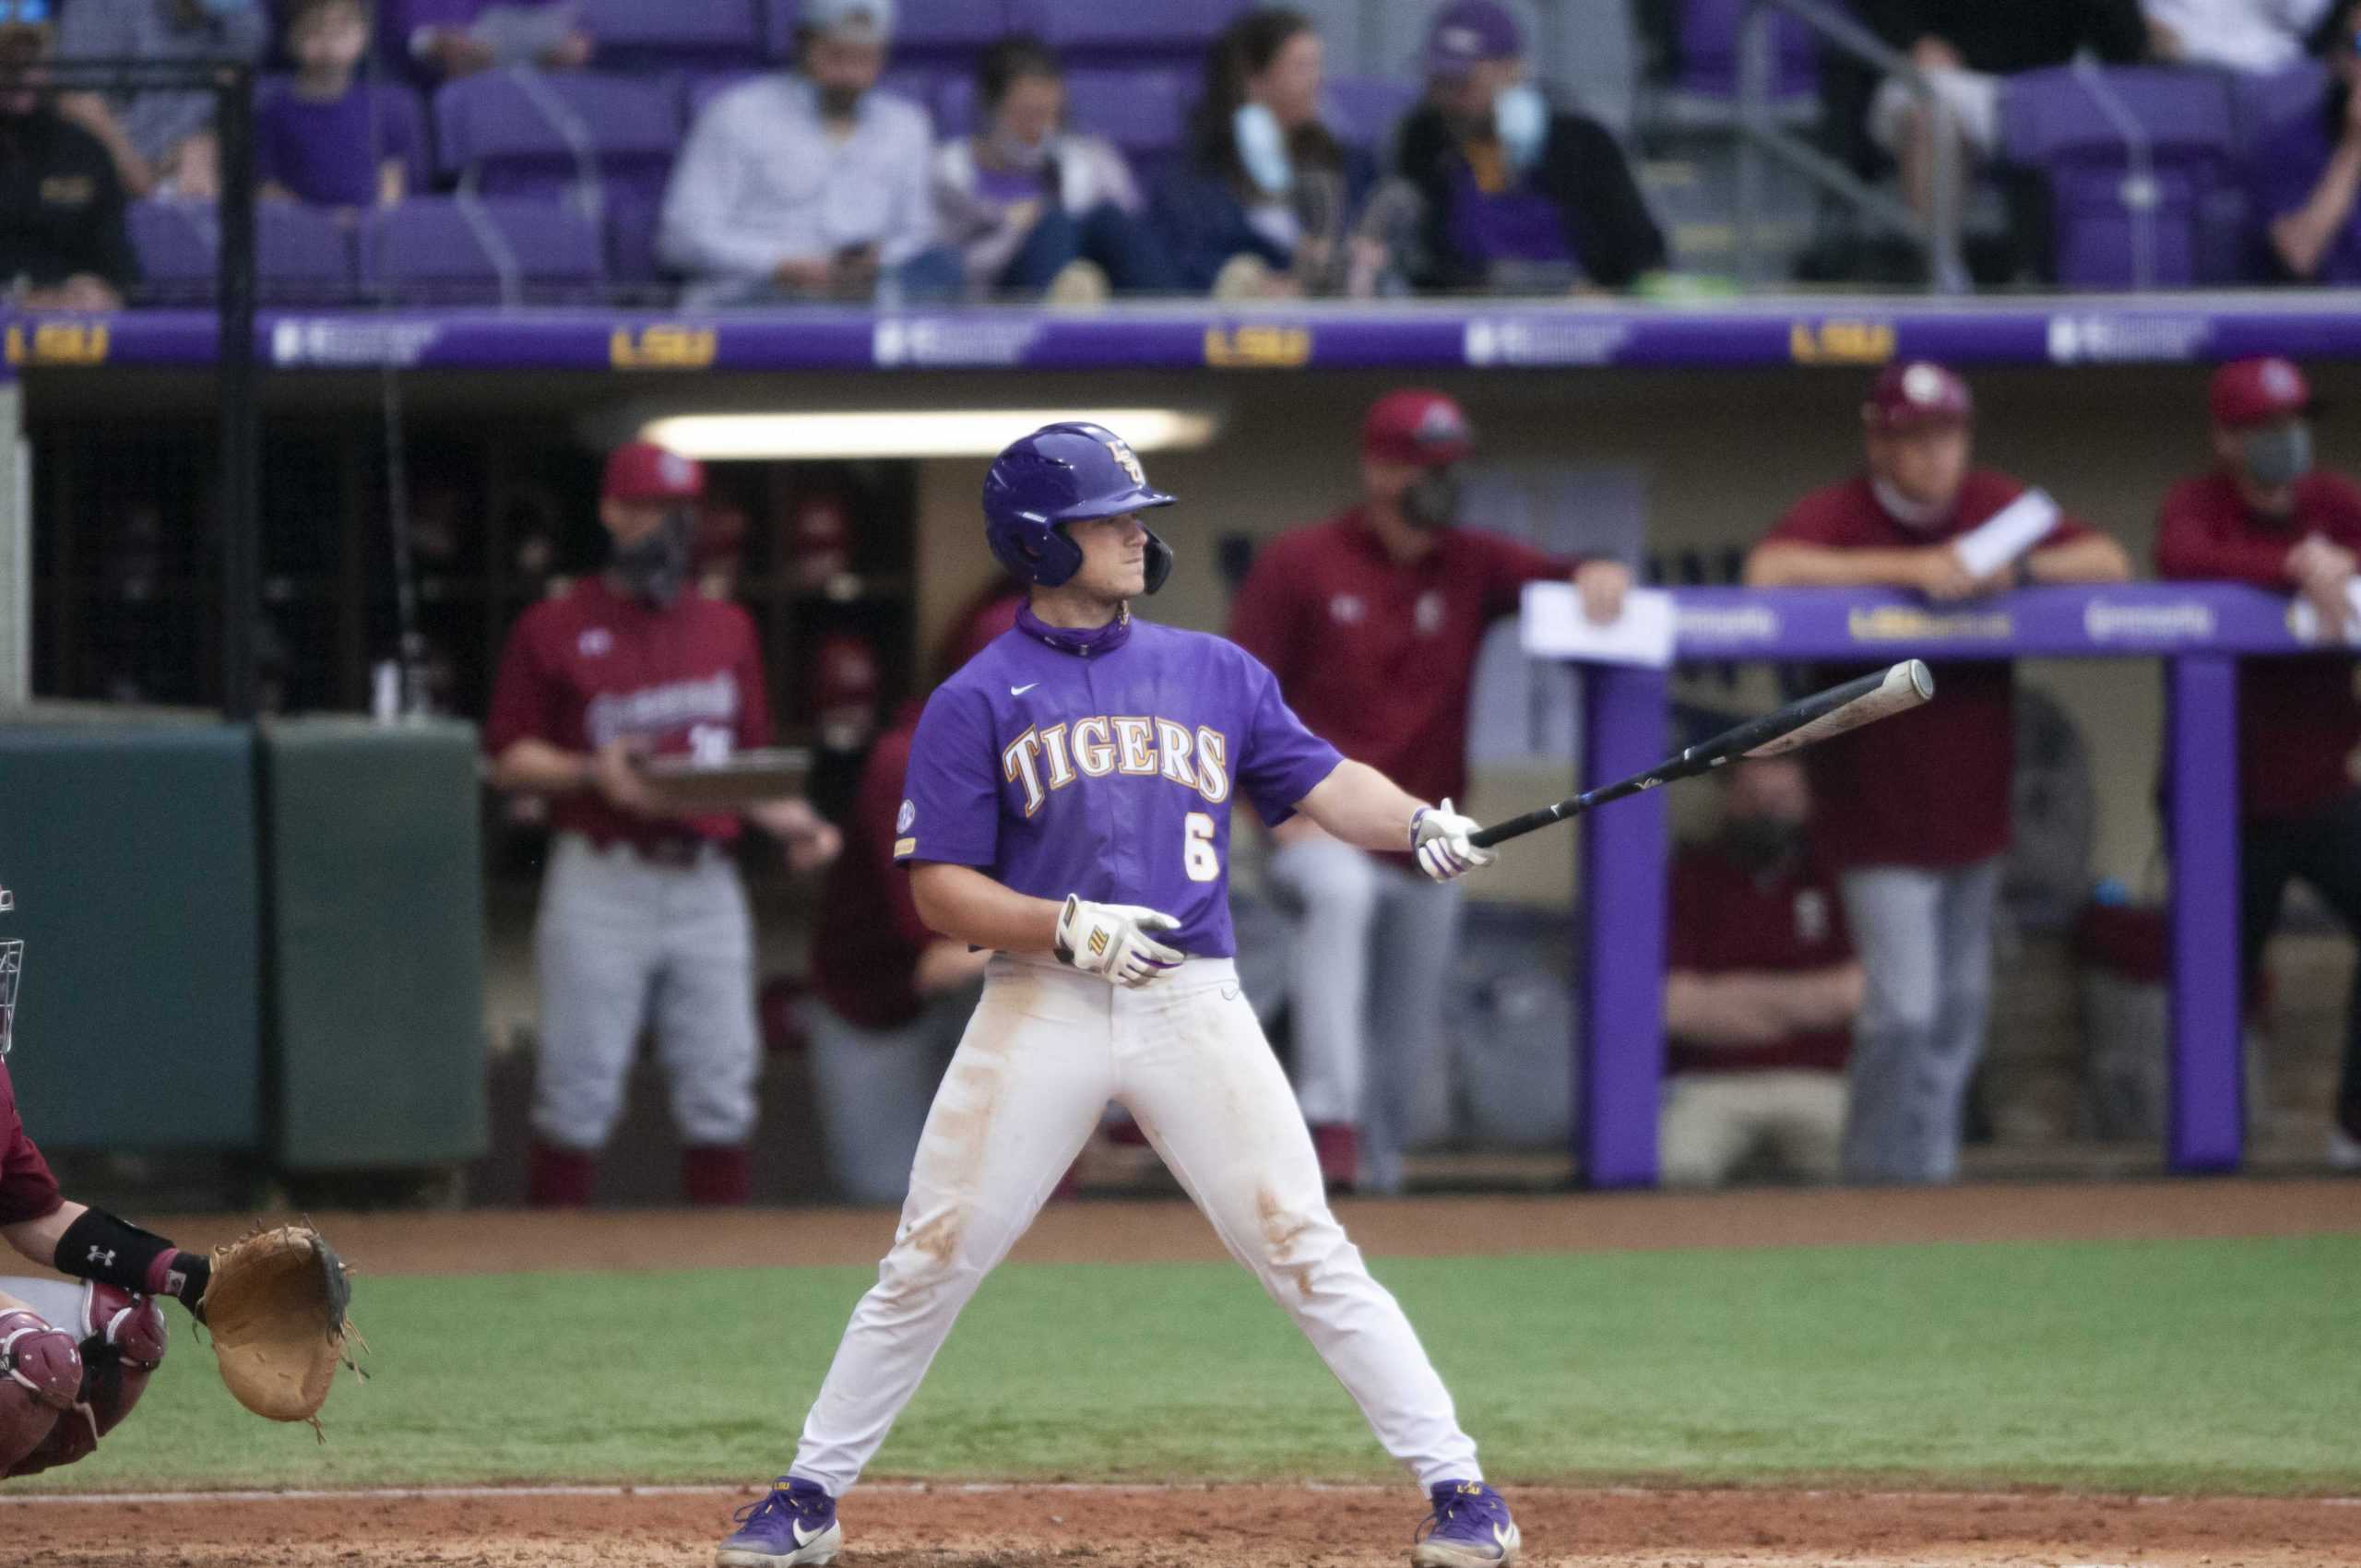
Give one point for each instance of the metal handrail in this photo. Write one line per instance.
(1938, 234)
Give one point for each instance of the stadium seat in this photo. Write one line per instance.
(1709, 51)
(938, 30)
(525, 132)
(1167, 32)
(679, 35)
(954, 105)
(2139, 163)
(1143, 112)
(917, 83)
(469, 250)
(1363, 111)
(302, 253)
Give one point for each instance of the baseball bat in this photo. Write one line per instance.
(1805, 722)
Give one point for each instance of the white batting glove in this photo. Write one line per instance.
(1438, 838)
(1112, 941)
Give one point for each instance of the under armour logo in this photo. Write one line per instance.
(103, 1259)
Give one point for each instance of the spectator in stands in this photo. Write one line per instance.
(1761, 991)
(63, 245)
(1036, 208)
(2239, 35)
(1263, 204)
(326, 138)
(1516, 197)
(810, 185)
(161, 138)
(2304, 178)
(893, 998)
(1372, 622)
(1966, 47)
(1914, 813)
(2265, 515)
(442, 39)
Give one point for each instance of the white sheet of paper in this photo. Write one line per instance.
(2305, 621)
(2007, 533)
(1555, 627)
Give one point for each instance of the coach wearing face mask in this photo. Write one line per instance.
(1518, 197)
(2266, 516)
(643, 916)
(1373, 623)
(1914, 813)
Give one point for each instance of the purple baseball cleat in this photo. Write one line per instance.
(795, 1522)
(1469, 1528)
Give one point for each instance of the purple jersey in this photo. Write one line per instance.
(1106, 775)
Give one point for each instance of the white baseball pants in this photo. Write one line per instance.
(1046, 1051)
(619, 940)
(1375, 942)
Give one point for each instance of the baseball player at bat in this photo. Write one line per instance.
(1067, 808)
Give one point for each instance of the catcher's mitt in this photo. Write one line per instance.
(276, 1304)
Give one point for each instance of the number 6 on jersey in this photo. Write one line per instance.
(1198, 855)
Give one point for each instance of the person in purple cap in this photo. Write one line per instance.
(1067, 809)
(1518, 196)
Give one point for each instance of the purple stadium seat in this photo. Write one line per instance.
(2263, 104)
(1709, 51)
(929, 30)
(2139, 163)
(1363, 111)
(954, 105)
(516, 132)
(1144, 113)
(459, 250)
(919, 84)
(700, 90)
(630, 242)
(300, 252)
(693, 35)
(1165, 32)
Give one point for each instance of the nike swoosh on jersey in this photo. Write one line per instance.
(1020, 690)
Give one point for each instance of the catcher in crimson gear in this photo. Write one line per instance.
(77, 1354)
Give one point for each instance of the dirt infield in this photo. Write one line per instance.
(1247, 1526)
(1159, 1231)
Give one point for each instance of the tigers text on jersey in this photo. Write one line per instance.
(596, 666)
(1108, 774)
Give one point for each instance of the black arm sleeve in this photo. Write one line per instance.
(115, 1251)
(1606, 219)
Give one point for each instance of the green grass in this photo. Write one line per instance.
(2199, 1366)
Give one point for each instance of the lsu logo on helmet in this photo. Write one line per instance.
(1128, 460)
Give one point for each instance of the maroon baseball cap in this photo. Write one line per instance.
(2259, 391)
(641, 471)
(1416, 426)
(1917, 395)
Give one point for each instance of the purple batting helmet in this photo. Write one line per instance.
(1061, 474)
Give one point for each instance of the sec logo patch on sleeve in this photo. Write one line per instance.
(908, 814)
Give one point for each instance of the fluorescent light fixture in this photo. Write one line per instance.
(910, 432)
